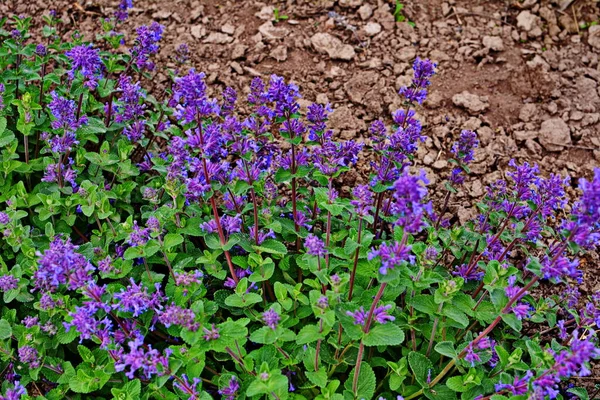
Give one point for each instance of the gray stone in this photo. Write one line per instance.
(279, 53)
(528, 112)
(372, 28)
(228, 29)
(218, 38)
(238, 51)
(162, 14)
(526, 21)
(326, 43)
(271, 32)
(493, 43)
(365, 12)
(198, 31)
(554, 134)
(473, 103)
(266, 13)
(350, 3)
(594, 36)
(343, 120)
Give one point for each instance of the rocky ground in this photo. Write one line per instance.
(523, 74)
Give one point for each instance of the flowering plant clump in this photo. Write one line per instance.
(191, 244)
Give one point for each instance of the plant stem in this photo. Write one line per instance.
(356, 253)
(433, 331)
(361, 347)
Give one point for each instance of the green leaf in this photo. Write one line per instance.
(264, 335)
(308, 334)
(366, 382)
(235, 300)
(88, 380)
(318, 378)
(424, 303)
(172, 239)
(384, 335)
(86, 354)
(421, 367)
(446, 349)
(512, 321)
(130, 391)
(272, 246)
(456, 384)
(456, 315)
(5, 329)
(580, 392)
(440, 392)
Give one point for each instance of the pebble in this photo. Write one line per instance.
(554, 134)
(372, 28)
(326, 43)
(473, 103)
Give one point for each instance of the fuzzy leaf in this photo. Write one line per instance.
(421, 367)
(384, 335)
(366, 382)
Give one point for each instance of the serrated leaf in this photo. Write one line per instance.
(272, 246)
(456, 384)
(384, 335)
(446, 349)
(264, 335)
(366, 382)
(5, 329)
(424, 303)
(421, 367)
(130, 391)
(172, 239)
(318, 378)
(308, 334)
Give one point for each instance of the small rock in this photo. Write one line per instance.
(228, 29)
(554, 134)
(528, 112)
(322, 98)
(372, 28)
(266, 13)
(197, 13)
(237, 67)
(218, 38)
(526, 20)
(326, 43)
(162, 14)
(238, 51)
(198, 31)
(343, 119)
(493, 43)
(594, 36)
(568, 23)
(350, 3)
(365, 12)
(279, 53)
(473, 103)
(485, 134)
(271, 32)
(440, 164)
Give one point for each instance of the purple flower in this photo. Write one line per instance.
(314, 246)
(360, 316)
(521, 310)
(60, 264)
(417, 92)
(211, 334)
(468, 274)
(229, 392)
(121, 14)
(518, 387)
(409, 201)
(131, 100)
(182, 54)
(190, 389)
(139, 236)
(14, 393)
(363, 201)
(8, 282)
(146, 44)
(471, 356)
(85, 60)
(378, 135)
(175, 315)
(142, 357)
(317, 116)
(30, 321)
(284, 96)
(392, 255)
(229, 99)
(137, 300)
(381, 316)
(41, 50)
(560, 266)
(63, 110)
(271, 318)
(463, 148)
(29, 355)
(323, 302)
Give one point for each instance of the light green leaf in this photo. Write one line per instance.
(421, 367)
(5, 329)
(384, 335)
(366, 382)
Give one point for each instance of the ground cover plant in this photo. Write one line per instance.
(192, 244)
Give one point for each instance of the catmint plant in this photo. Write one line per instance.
(224, 261)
